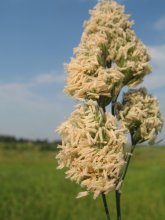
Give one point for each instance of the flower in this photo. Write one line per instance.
(92, 149)
(107, 41)
(140, 114)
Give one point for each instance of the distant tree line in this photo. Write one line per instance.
(11, 142)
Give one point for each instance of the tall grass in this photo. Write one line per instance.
(32, 189)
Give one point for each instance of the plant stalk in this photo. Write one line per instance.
(118, 208)
(128, 162)
(118, 193)
(129, 158)
(102, 105)
(106, 206)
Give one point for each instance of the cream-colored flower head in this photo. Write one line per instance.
(141, 115)
(92, 149)
(109, 54)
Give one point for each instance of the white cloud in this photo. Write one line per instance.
(156, 79)
(160, 24)
(26, 113)
(49, 78)
(161, 96)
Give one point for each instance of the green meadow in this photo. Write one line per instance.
(32, 189)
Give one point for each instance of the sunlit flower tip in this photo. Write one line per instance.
(92, 149)
(140, 114)
(82, 194)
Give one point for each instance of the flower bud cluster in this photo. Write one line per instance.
(108, 40)
(140, 114)
(92, 149)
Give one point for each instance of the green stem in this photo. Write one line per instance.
(118, 208)
(101, 103)
(118, 193)
(114, 100)
(128, 162)
(128, 158)
(106, 206)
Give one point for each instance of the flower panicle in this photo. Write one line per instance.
(108, 41)
(109, 57)
(140, 114)
(92, 149)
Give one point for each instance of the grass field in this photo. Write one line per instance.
(32, 189)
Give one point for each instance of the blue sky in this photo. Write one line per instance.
(37, 37)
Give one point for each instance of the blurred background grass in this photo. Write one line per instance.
(32, 189)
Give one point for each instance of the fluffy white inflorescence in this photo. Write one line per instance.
(107, 41)
(92, 149)
(141, 115)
